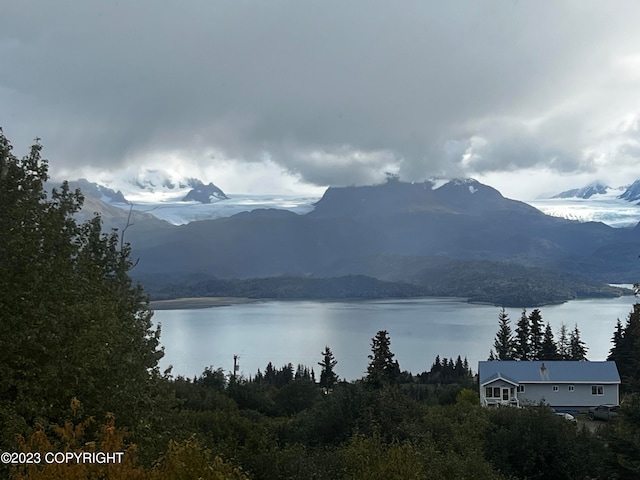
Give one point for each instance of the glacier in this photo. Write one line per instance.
(607, 209)
(181, 213)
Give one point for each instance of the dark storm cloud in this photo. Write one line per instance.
(338, 92)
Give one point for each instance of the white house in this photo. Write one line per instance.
(563, 385)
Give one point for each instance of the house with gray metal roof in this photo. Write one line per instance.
(563, 385)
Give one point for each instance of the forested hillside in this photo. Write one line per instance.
(498, 283)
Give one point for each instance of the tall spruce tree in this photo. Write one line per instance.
(564, 348)
(549, 349)
(535, 333)
(522, 345)
(504, 343)
(383, 370)
(626, 351)
(328, 378)
(616, 341)
(577, 348)
(74, 323)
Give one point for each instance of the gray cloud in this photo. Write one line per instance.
(335, 92)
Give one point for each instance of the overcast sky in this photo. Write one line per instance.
(258, 96)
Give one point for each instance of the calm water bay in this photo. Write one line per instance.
(297, 331)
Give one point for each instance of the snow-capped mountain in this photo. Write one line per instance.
(99, 191)
(204, 193)
(158, 186)
(181, 200)
(632, 193)
(589, 191)
(615, 206)
(629, 193)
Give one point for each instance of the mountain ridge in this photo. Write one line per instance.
(154, 185)
(459, 225)
(630, 193)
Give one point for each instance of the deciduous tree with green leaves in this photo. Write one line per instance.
(74, 325)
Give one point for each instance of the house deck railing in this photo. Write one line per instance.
(512, 402)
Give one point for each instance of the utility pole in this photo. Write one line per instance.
(236, 367)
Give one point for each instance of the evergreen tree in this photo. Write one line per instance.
(617, 341)
(447, 370)
(284, 376)
(626, 351)
(270, 374)
(504, 344)
(564, 350)
(437, 365)
(458, 369)
(577, 348)
(328, 378)
(383, 369)
(522, 346)
(302, 373)
(435, 374)
(535, 334)
(549, 349)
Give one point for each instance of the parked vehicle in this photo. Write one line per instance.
(604, 412)
(567, 416)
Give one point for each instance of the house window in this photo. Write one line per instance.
(571, 388)
(492, 392)
(597, 389)
(555, 388)
(520, 388)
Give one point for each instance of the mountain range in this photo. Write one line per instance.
(181, 200)
(629, 193)
(446, 238)
(456, 238)
(152, 186)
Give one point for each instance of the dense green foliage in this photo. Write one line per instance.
(74, 324)
(347, 287)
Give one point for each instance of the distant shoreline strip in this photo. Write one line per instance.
(198, 302)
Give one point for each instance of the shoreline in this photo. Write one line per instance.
(189, 303)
